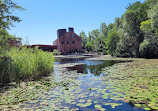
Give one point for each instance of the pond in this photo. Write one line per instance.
(89, 94)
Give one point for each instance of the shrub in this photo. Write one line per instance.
(26, 64)
(86, 52)
(56, 52)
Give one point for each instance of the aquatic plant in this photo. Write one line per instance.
(134, 82)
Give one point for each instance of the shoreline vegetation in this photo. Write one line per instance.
(24, 64)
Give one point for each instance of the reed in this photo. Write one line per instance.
(25, 64)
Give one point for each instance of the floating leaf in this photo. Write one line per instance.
(113, 105)
(154, 107)
(80, 104)
(138, 105)
(98, 107)
(89, 100)
(75, 109)
(95, 102)
(88, 104)
(81, 100)
(147, 108)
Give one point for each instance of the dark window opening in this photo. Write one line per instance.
(73, 42)
(67, 42)
(62, 42)
(73, 35)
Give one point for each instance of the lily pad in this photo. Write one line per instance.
(98, 107)
(81, 100)
(113, 105)
(147, 108)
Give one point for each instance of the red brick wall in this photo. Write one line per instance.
(69, 37)
(12, 42)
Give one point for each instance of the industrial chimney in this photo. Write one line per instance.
(61, 32)
(71, 29)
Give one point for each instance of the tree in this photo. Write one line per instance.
(118, 23)
(94, 34)
(84, 38)
(110, 26)
(6, 17)
(132, 34)
(146, 26)
(149, 48)
(153, 14)
(99, 44)
(6, 20)
(111, 41)
(89, 46)
(104, 29)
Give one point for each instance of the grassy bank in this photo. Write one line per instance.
(26, 64)
(135, 82)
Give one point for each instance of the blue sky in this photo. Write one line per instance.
(42, 18)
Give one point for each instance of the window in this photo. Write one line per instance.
(73, 42)
(62, 42)
(67, 42)
(73, 35)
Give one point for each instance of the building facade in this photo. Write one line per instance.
(68, 42)
(14, 42)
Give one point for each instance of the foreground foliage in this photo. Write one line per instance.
(25, 64)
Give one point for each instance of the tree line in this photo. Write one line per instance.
(134, 34)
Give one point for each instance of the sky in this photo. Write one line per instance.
(42, 18)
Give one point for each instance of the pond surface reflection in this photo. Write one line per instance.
(88, 92)
(94, 89)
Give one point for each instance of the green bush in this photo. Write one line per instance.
(56, 52)
(26, 64)
(86, 52)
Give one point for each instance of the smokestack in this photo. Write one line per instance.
(71, 29)
(60, 32)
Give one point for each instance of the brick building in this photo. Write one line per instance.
(68, 41)
(14, 42)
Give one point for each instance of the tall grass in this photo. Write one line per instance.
(26, 64)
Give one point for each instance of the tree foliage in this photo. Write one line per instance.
(6, 17)
(111, 41)
(6, 20)
(134, 34)
(84, 38)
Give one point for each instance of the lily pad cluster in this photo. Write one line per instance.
(135, 82)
